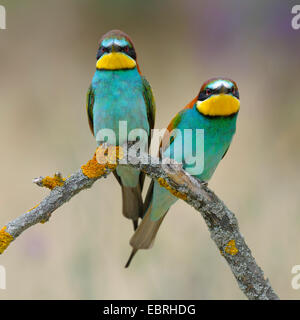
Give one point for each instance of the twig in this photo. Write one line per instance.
(221, 222)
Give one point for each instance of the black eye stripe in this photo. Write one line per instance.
(129, 50)
(207, 92)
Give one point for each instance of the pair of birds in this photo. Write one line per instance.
(119, 92)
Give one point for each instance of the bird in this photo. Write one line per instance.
(215, 110)
(120, 94)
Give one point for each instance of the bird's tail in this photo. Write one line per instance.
(144, 236)
(132, 203)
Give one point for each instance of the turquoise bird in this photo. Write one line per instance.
(119, 94)
(214, 110)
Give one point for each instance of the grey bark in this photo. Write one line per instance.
(221, 222)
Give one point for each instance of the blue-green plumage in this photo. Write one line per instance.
(214, 111)
(119, 96)
(218, 133)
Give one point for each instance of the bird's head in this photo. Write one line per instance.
(116, 52)
(218, 97)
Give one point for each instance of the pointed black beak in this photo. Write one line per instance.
(114, 48)
(223, 89)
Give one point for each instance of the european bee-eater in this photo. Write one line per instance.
(214, 110)
(119, 92)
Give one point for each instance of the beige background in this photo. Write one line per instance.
(47, 60)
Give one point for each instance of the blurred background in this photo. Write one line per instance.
(47, 61)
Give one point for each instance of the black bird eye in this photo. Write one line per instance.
(126, 49)
(208, 91)
(101, 51)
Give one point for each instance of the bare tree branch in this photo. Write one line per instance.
(221, 222)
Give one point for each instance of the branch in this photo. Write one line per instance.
(62, 191)
(221, 222)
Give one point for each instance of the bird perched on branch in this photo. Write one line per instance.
(120, 94)
(214, 110)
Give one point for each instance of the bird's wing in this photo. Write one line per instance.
(150, 103)
(169, 138)
(90, 99)
(151, 110)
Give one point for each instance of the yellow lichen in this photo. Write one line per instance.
(52, 182)
(104, 158)
(92, 169)
(5, 239)
(231, 248)
(176, 193)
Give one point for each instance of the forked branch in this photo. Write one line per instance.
(221, 222)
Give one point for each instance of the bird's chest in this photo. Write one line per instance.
(119, 106)
(204, 143)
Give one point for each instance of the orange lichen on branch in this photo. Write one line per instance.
(176, 193)
(104, 158)
(92, 169)
(231, 248)
(5, 239)
(53, 182)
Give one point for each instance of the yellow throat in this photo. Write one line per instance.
(115, 61)
(219, 105)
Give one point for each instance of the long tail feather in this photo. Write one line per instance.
(135, 224)
(132, 204)
(144, 236)
(133, 252)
